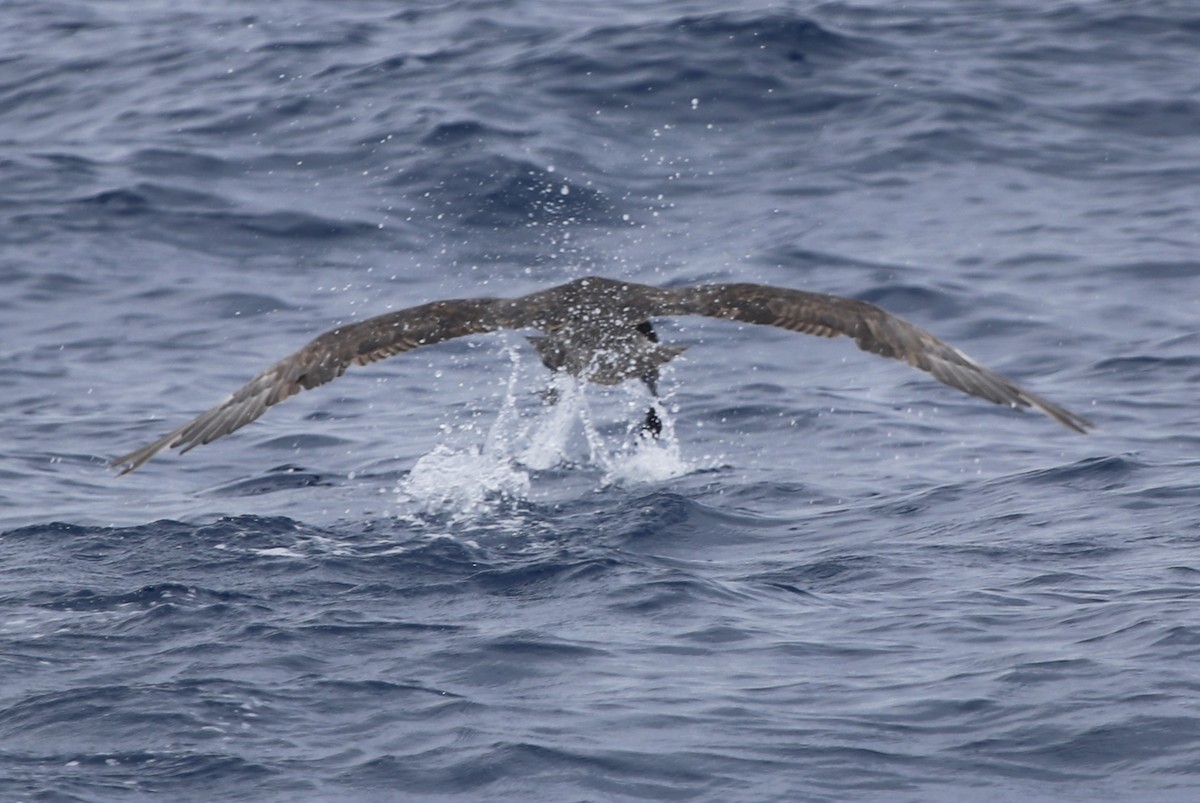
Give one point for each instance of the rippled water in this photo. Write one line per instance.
(833, 579)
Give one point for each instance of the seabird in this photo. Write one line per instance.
(600, 330)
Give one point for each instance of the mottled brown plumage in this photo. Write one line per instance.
(599, 329)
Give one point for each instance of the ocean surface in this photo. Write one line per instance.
(831, 579)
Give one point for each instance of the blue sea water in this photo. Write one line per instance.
(833, 579)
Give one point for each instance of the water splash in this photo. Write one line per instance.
(643, 459)
(462, 482)
(469, 480)
(532, 434)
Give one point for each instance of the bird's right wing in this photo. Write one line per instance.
(872, 328)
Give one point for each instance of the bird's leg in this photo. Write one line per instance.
(647, 329)
(652, 425)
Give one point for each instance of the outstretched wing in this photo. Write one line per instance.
(875, 330)
(324, 359)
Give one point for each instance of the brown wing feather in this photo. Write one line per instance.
(874, 329)
(324, 359)
(604, 302)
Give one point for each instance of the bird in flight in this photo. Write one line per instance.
(600, 330)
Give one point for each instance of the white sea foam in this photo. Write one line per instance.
(462, 482)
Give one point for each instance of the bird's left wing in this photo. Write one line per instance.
(324, 359)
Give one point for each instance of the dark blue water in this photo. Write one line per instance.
(833, 580)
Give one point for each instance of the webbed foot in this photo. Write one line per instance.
(652, 426)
